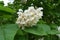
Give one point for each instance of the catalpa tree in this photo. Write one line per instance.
(29, 19)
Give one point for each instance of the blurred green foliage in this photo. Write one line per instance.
(45, 28)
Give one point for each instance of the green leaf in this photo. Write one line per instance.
(6, 9)
(7, 32)
(53, 26)
(53, 32)
(54, 29)
(40, 29)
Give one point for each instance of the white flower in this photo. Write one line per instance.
(5, 2)
(40, 8)
(8, 1)
(20, 10)
(59, 28)
(39, 11)
(59, 31)
(29, 17)
(11, 1)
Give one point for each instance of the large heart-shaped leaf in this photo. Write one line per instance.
(40, 29)
(7, 32)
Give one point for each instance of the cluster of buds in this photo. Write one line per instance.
(29, 17)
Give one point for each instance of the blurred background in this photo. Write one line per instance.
(51, 16)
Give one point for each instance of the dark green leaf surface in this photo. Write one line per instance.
(7, 32)
(40, 29)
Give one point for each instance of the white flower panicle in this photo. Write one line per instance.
(7, 1)
(29, 17)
